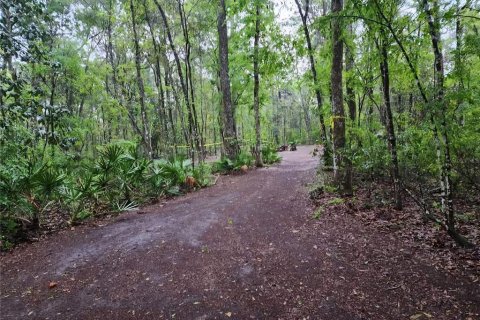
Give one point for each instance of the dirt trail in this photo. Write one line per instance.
(245, 248)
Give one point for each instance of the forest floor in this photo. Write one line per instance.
(246, 248)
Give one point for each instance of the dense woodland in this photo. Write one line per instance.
(107, 104)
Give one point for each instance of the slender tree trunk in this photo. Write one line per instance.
(162, 114)
(352, 107)
(392, 141)
(169, 110)
(318, 92)
(193, 118)
(183, 82)
(110, 56)
(306, 114)
(350, 91)
(432, 15)
(143, 110)
(230, 142)
(7, 57)
(412, 68)
(256, 89)
(341, 175)
(459, 64)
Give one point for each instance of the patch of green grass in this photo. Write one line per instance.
(318, 213)
(330, 189)
(466, 217)
(336, 201)
(315, 190)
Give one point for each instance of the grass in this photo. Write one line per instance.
(318, 213)
(335, 201)
(330, 189)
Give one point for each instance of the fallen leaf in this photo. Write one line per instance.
(228, 314)
(419, 316)
(52, 285)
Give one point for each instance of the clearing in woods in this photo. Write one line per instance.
(246, 248)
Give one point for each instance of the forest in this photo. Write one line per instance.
(110, 105)
(95, 93)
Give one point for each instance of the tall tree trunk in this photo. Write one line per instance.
(170, 107)
(350, 91)
(316, 84)
(459, 64)
(7, 56)
(143, 110)
(256, 89)
(341, 175)
(306, 115)
(230, 142)
(193, 118)
(183, 82)
(392, 141)
(432, 15)
(162, 114)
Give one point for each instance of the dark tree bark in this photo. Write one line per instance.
(193, 118)
(350, 91)
(392, 141)
(162, 114)
(342, 175)
(256, 89)
(432, 16)
(230, 142)
(193, 137)
(413, 70)
(141, 88)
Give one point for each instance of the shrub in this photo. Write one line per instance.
(203, 174)
(225, 165)
(117, 180)
(270, 155)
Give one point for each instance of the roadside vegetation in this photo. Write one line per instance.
(59, 191)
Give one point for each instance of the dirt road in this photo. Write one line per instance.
(246, 248)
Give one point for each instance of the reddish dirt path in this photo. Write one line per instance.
(246, 248)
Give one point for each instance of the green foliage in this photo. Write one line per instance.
(318, 213)
(369, 152)
(173, 172)
(330, 188)
(203, 174)
(270, 155)
(243, 159)
(225, 165)
(335, 201)
(118, 180)
(124, 206)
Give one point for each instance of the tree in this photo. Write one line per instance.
(229, 136)
(141, 88)
(342, 176)
(392, 141)
(256, 89)
(318, 93)
(441, 132)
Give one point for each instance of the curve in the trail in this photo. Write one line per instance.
(246, 248)
(244, 210)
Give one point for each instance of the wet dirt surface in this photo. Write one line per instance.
(246, 248)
